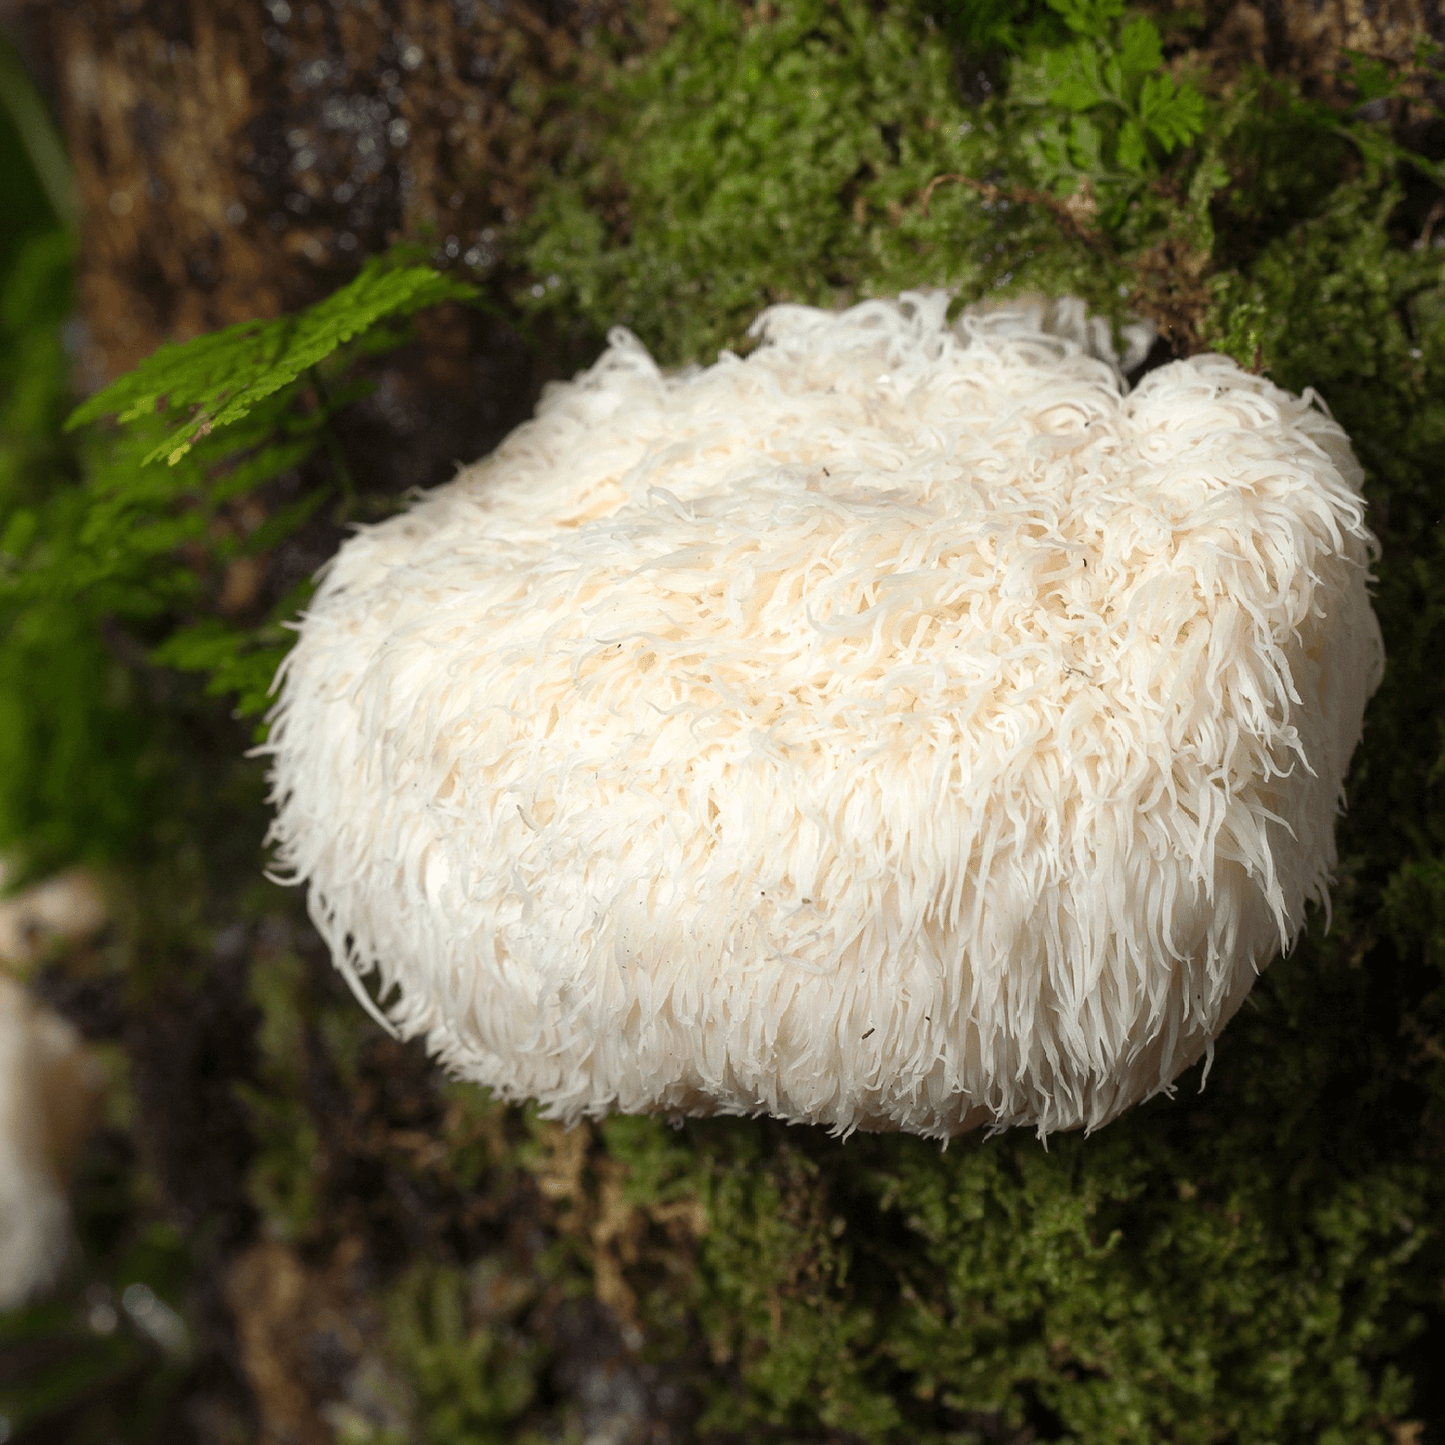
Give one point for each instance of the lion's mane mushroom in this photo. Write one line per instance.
(905, 727)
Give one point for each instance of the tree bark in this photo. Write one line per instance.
(239, 159)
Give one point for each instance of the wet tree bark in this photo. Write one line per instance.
(238, 159)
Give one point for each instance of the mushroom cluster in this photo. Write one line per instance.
(906, 726)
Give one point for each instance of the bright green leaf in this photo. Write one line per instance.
(1073, 77)
(1091, 18)
(1173, 116)
(1086, 144)
(1132, 154)
(1139, 49)
(219, 378)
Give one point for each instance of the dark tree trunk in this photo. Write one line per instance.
(238, 158)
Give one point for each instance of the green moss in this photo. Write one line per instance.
(756, 162)
(282, 1181)
(1246, 1265)
(816, 157)
(1134, 1286)
(474, 1376)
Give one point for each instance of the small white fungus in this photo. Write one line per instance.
(906, 727)
(50, 1087)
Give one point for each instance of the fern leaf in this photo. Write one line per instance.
(1140, 52)
(1131, 152)
(1090, 18)
(240, 662)
(1172, 115)
(218, 379)
(1073, 78)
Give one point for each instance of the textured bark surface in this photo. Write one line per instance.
(1307, 38)
(239, 159)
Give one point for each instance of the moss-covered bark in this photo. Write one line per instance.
(362, 1251)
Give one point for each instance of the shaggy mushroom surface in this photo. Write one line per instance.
(905, 727)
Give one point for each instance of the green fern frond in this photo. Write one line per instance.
(241, 662)
(218, 379)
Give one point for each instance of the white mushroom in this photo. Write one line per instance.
(906, 727)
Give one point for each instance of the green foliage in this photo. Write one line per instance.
(1135, 1286)
(80, 761)
(771, 1288)
(239, 662)
(1265, 129)
(127, 535)
(981, 27)
(985, 27)
(749, 162)
(221, 378)
(475, 1376)
(1149, 1311)
(1101, 109)
(764, 162)
(257, 399)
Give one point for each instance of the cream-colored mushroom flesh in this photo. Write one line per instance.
(908, 726)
